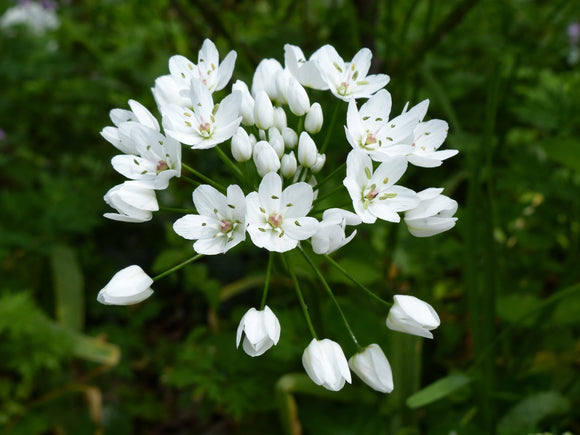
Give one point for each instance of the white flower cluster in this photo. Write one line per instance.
(37, 18)
(272, 128)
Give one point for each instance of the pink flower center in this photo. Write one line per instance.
(275, 220)
(162, 166)
(372, 194)
(225, 226)
(371, 139)
(205, 127)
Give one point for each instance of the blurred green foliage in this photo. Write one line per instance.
(505, 281)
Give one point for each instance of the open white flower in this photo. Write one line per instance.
(203, 126)
(330, 234)
(428, 137)
(373, 193)
(372, 366)
(325, 364)
(209, 71)
(348, 80)
(433, 215)
(305, 71)
(413, 316)
(277, 219)
(265, 78)
(261, 331)
(158, 159)
(134, 201)
(221, 222)
(128, 286)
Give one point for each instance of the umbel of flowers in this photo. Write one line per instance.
(269, 130)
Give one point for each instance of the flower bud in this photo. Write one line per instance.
(290, 137)
(372, 366)
(314, 118)
(288, 165)
(261, 330)
(280, 120)
(298, 100)
(276, 140)
(319, 164)
(241, 145)
(325, 364)
(433, 215)
(128, 286)
(134, 201)
(263, 111)
(413, 316)
(264, 78)
(307, 152)
(247, 107)
(265, 158)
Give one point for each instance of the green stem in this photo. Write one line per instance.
(330, 128)
(203, 177)
(329, 291)
(267, 281)
(179, 266)
(229, 163)
(190, 180)
(300, 296)
(356, 282)
(332, 174)
(328, 194)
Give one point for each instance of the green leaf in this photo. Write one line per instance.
(438, 390)
(564, 150)
(68, 287)
(525, 415)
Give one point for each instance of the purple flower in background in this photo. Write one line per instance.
(2, 135)
(573, 32)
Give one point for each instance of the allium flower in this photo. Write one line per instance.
(241, 145)
(133, 200)
(428, 137)
(265, 78)
(209, 71)
(305, 71)
(288, 165)
(263, 111)
(158, 159)
(372, 366)
(433, 215)
(314, 118)
(370, 130)
(330, 234)
(124, 121)
(374, 194)
(265, 158)
(325, 364)
(128, 286)
(307, 151)
(348, 80)
(413, 316)
(33, 16)
(221, 222)
(203, 126)
(261, 331)
(247, 106)
(168, 90)
(277, 219)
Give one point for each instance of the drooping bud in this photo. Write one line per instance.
(288, 165)
(265, 158)
(290, 137)
(314, 119)
(276, 141)
(263, 111)
(307, 152)
(241, 145)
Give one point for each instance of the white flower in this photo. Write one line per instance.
(413, 316)
(307, 151)
(277, 219)
(290, 137)
(298, 100)
(158, 159)
(325, 364)
(374, 194)
(276, 141)
(280, 120)
(305, 71)
(372, 366)
(288, 165)
(261, 330)
(209, 71)
(33, 16)
(314, 119)
(369, 129)
(133, 200)
(348, 80)
(128, 286)
(241, 145)
(221, 222)
(263, 111)
(433, 215)
(428, 137)
(167, 90)
(265, 158)
(203, 126)
(319, 164)
(265, 78)
(124, 121)
(330, 234)
(247, 107)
